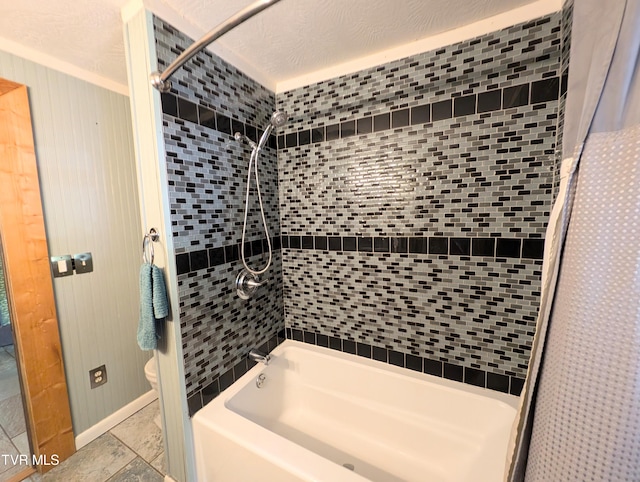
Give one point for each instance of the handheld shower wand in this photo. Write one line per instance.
(278, 119)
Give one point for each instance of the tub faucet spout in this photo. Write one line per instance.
(259, 357)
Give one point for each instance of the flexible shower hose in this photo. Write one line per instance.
(253, 161)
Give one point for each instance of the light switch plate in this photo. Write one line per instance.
(83, 263)
(61, 266)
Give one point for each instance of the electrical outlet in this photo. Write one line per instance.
(98, 376)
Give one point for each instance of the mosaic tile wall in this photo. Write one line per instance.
(567, 16)
(413, 203)
(207, 171)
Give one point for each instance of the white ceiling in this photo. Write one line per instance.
(290, 40)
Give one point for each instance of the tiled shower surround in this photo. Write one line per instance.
(413, 200)
(435, 172)
(567, 16)
(207, 171)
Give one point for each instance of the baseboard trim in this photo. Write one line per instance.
(114, 419)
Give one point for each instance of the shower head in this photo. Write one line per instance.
(279, 118)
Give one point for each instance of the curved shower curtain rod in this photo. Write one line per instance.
(161, 80)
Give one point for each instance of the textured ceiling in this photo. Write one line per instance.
(85, 33)
(288, 40)
(294, 37)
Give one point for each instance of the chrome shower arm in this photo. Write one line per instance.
(161, 80)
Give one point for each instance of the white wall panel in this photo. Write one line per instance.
(87, 171)
(155, 212)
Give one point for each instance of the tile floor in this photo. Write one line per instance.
(131, 451)
(13, 435)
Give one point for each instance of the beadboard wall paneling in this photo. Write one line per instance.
(88, 183)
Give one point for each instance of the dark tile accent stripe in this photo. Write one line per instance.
(489, 101)
(187, 110)
(400, 118)
(464, 105)
(498, 382)
(381, 122)
(365, 125)
(545, 90)
(486, 247)
(332, 132)
(470, 376)
(317, 134)
(209, 258)
(199, 259)
(184, 109)
(420, 114)
(508, 248)
(200, 398)
(169, 104)
(441, 110)
(182, 263)
(460, 246)
(515, 96)
(453, 372)
(530, 248)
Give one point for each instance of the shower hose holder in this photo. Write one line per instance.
(247, 283)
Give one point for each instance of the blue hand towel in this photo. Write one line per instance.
(153, 305)
(160, 303)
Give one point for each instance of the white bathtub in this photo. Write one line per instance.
(319, 409)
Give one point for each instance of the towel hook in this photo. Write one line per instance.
(147, 245)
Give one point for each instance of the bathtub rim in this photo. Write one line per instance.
(508, 399)
(270, 446)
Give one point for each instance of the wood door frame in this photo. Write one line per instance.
(29, 285)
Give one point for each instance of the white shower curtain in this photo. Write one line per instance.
(579, 417)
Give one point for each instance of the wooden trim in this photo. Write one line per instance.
(29, 284)
(7, 86)
(22, 475)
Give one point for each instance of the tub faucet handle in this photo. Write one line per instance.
(247, 283)
(258, 356)
(254, 283)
